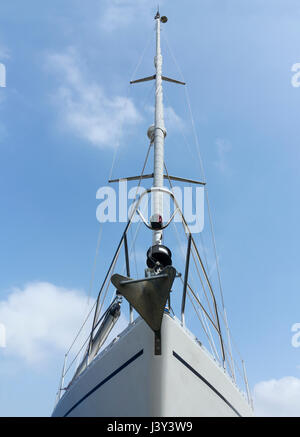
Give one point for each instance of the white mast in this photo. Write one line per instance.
(159, 138)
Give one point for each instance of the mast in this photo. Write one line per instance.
(158, 256)
(159, 139)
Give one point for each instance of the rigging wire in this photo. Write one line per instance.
(128, 93)
(197, 271)
(116, 149)
(86, 319)
(193, 255)
(210, 336)
(142, 56)
(134, 254)
(203, 245)
(140, 179)
(211, 225)
(206, 196)
(202, 321)
(187, 144)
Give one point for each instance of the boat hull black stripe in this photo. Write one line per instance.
(105, 380)
(205, 381)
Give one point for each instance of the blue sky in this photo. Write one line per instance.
(67, 106)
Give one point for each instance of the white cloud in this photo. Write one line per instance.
(277, 397)
(121, 13)
(2, 336)
(173, 121)
(117, 14)
(41, 319)
(85, 108)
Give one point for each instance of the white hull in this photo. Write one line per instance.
(128, 379)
